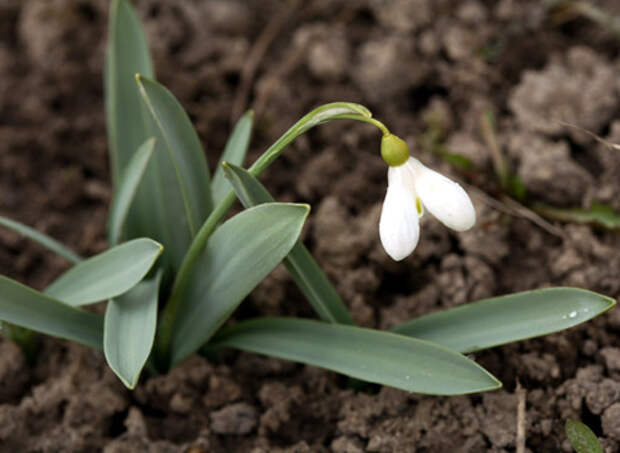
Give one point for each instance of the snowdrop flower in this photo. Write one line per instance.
(412, 187)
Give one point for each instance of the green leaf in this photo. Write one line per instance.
(581, 437)
(129, 330)
(235, 151)
(42, 239)
(127, 188)
(500, 320)
(320, 115)
(238, 256)
(106, 275)
(175, 196)
(31, 309)
(309, 277)
(598, 214)
(127, 54)
(181, 142)
(371, 355)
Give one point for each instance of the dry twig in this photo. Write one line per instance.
(520, 441)
(599, 139)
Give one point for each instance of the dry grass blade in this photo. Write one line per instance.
(599, 139)
(520, 441)
(513, 208)
(562, 11)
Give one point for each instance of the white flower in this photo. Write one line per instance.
(412, 187)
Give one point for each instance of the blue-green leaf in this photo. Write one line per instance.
(25, 307)
(500, 320)
(124, 196)
(129, 330)
(106, 275)
(181, 142)
(234, 153)
(175, 196)
(309, 277)
(40, 238)
(320, 115)
(238, 256)
(371, 355)
(127, 54)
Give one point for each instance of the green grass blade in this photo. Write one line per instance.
(234, 153)
(581, 437)
(106, 275)
(42, 239)
(180, 140)
(129, 330)
(307, 274)
(127, 189)
(500, 320)
(371, 355)
(240, 254)
(127, 54)
(25, 307)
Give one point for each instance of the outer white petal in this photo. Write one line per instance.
(399, 227)
(443, 198)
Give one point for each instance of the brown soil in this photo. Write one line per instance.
(408, 61)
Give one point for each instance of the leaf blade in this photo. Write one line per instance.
(234, 152)
(398, 361)
(25, 307)
(182, 144)
(500, 320)
(106, 275)
(129, 330)
(127, 54)
(581, 437)
(233, 262)
(42, 239)
(128, 186)
(307, 274)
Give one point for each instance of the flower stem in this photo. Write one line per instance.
(372, 121)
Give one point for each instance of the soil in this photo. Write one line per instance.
(420, 66)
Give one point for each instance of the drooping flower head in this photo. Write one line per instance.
(412, 188)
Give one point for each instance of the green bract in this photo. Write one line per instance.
(161, 309)
(394, 150)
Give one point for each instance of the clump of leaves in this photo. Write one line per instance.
(176, 271)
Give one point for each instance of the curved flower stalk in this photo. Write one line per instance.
(413, 187)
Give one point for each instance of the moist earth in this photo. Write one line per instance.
(430, 70)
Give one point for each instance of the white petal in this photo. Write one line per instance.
(403, 175)
(399, 228)
(443, 198)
